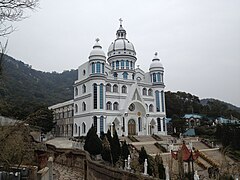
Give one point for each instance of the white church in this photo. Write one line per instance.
(112, 93)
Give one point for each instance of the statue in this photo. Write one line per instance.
(190, 145)
(167, 172)
(196, 176)
(125, 164)
(128, 162)
(145, 167)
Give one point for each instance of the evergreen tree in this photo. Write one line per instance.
(160, 167)
(142, 155)
(115, 147)
(125, 151)
(109, 136)
(106, 150)
(141, 159)
(92, 143)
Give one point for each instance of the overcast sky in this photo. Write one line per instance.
(198, 41)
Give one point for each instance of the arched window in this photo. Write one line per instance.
(150, 108)
(93, 67)
(150, 92)
(144, 91)
(76, 108)
(115, 74)
(94, 96)
(122, 64)
(76, 91)
(83, 106)
(103, 68)
(146, 106)
(159, 124)
(157, 101)
(124, 89)
(133, 76)
(98, 67)
(108, 87)
(109, 105)
(154, 77)
(83, 128)
(158, 77)
(75, 128)
(139, 124)
(131, 64)
(162, 99)
(125, 75)
(117, 64)
(115, 106)
(95, 122)
(84, 72)
(113, 65)
(83, 88)
(164, 127)
(115, 88)
(101, 96)
(127, 64)
(101, 124)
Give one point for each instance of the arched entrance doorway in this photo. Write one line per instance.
(131, 127)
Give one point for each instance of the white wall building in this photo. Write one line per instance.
(111, 93)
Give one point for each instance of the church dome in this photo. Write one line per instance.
(97, 51)
(121, 44)
(156, 64)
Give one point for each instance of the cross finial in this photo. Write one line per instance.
(120, 20)
(97, 39)
(156, 54)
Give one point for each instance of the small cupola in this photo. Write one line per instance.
(97, 52)
(156, 64)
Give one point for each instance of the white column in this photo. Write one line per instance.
(98, 124)
(161, 120)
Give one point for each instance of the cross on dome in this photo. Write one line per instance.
(156, 54)
(120, 20)
(97, 39)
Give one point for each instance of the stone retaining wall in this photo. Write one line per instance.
(92, 170)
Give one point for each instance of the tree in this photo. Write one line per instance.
(13, 10)
(16, 146)
(106, 150)
(160, 168)
(115, 147)
(92, 143)
(178, 123)
(125, 151)
(42, 118)
(142, 155)
(141, 159)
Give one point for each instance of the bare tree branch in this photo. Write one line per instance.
(10, 11)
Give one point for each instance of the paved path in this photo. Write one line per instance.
(60, 142)
(66, 173)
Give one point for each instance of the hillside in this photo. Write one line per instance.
(209, 100)
(23, 89)
(180, 103)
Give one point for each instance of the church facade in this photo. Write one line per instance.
(112, 93)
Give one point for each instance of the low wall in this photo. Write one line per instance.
(46, 173)
(92, 170)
